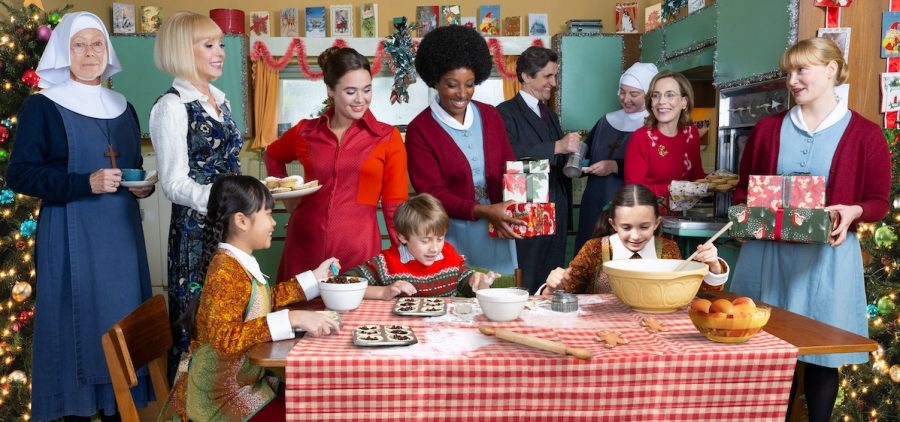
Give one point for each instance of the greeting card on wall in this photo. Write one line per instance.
(489, 19)
(890, 92)
(695, 5)
(840, 36)
(289, 24)
(537, 24)
(342, 20)
(315, 22)
(123, 18)
(890, 34)
(368, 20)
(450, 15)
(426, 18)
(512, 26)
(468, 21)
(151, 18)
(259, 23)
(833, 3)
(652, 16)
(625, 14)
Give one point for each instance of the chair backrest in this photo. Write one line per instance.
(142, 338)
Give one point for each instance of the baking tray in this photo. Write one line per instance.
(420, 306)
(383, 335)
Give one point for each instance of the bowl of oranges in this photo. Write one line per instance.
(728, 321)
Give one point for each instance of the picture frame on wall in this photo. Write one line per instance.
(840, 36)
(342, 20)
(315, 22)
(368, 20)
(890, 92)
(626, 13)
(123, 18)
(290, 26)
(537, 24)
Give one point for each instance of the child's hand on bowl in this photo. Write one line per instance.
(327, 269)
(480, 281)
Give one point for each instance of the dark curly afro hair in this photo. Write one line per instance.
(452, 47)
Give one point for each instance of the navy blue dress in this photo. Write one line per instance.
(89, 251)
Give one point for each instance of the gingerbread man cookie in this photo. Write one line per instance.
(653, 325)
(611, 338)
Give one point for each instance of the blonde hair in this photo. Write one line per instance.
(174, 49)
(816, 51)
(421, 214)
(686, 91)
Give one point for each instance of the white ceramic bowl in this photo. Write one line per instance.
(343, 297)
(651, 285)
(500, 304)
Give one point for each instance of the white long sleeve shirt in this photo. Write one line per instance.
(168, 133)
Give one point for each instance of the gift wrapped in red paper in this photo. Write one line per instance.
(775, 192)
(539, 218)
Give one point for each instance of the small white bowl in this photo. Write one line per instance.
(343, 297)
(500, 304)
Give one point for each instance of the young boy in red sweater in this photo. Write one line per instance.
(423, 264)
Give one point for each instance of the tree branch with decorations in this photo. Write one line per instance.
(24, 32)
(871, 391)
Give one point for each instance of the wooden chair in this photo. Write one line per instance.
(142, 338)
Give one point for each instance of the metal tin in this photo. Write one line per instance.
(564, 302)
(420, 306)
(383, 335)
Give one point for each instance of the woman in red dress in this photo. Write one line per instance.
(667, 148)
(357, 160)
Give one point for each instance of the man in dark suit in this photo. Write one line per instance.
(534, 132)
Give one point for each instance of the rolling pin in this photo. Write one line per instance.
(537, 343)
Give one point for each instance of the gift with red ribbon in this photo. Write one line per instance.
(787, 208)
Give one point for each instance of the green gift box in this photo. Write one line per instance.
(538, 187)
(799, 225)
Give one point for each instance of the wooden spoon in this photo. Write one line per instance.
(708, 242)
(538, 343)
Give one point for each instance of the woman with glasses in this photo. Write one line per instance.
(196, 142)
(91, 265)
(667, 147)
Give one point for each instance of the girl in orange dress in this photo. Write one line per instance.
(216, 381)
(627, 230)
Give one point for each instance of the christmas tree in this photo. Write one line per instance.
(871, 391)
(24, 32)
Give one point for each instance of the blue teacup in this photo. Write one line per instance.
(132, 175)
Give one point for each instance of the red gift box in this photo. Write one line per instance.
(775, 192)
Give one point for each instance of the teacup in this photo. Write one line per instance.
(132, 175)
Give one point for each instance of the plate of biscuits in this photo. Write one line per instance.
(291, 187)
(720, 181)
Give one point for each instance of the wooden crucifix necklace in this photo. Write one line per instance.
(110, 152)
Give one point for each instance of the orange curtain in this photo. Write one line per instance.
(265, 105)
(511, 86)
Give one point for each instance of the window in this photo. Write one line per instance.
(300, 98)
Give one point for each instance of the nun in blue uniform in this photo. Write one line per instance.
(91, 262)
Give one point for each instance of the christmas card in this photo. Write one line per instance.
(368, 20)
(890, 92)
(625, 17)
(652, 17)
(151, 18)
(289, 24)
(840, 36)
(123, 18)
(426, 19)
(450, 15)
(890, 35)
(512, 26)
(695, 5)
(259, 23)
(342, 20)
(834, 3)
(315, 22)
(537, 24)
(489, 19)
(468, 21)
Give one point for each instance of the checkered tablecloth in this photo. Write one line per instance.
(456, 373)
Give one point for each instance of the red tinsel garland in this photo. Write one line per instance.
(296, 47)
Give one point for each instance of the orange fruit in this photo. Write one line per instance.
(744, 309)
(718, 315)
(700, 305)
(744, 299)
(722, 305)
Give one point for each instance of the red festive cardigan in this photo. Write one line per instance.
(447, 277)
(860, 171)
(437, 165)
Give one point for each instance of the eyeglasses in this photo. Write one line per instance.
(81, 47)
(669, 96)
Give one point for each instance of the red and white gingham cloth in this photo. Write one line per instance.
(677, 375)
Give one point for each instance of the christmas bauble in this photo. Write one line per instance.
(28, 227)
(7, 196)
(886, 306)
(871, 311)
(53, 18)
(895, 373)
(21, 291)
(30, 78)
(4, 134)
(17, 376)
(4, 154)
(886, 261)
(20, 245)
(885, 236)
(43, 33)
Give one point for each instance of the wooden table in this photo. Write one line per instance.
(811, 337)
